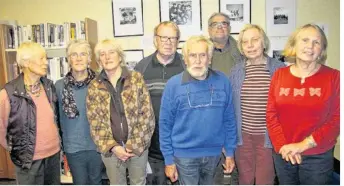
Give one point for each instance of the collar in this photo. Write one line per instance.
(19, 87)
(103, 76)
(227, 46)
(267, 65)
(187, 78)
(174, 62)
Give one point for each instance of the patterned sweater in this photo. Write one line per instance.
(138, 111)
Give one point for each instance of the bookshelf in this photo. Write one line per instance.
(8, 55)
(8, 58)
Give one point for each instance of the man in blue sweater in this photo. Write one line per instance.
(197, 118)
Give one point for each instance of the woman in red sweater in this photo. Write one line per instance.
(303, 111)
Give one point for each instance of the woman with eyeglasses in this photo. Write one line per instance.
(121, 116)
(83, 159)
(250, 80)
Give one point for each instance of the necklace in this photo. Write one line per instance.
(303, 78)
(34, 89)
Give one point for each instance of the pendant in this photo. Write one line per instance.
(302, 81)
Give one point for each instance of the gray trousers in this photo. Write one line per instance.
(42, 172)
(116, 169)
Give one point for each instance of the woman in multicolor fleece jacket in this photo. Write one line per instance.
(121, 116)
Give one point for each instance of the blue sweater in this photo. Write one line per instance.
(76, 135)
(197, 117)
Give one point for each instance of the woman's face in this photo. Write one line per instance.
(308, 46)
(252, 44)
(109, 58)
(38, 64)
(79, 59)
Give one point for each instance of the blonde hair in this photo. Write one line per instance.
(289, 49)
(28, 50)
(79, 43)
(197, 39)
(266, 41)
(114, 44)
(166, 24)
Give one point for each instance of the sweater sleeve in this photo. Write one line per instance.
(230, 125)
(329, 131)
(5, 108)
(166, 122)
(272, 122)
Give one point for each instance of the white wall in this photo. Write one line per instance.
(58, 11)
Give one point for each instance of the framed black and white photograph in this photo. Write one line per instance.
(239, 12)
(132, 57)
(185, 13)
(127, 17)
(277, 45)
(280, 17)
(277, 54)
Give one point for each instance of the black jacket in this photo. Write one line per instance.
(21, 130)
(156, 75)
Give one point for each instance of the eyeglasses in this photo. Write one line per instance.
(201, 105)
(75, 55)
(223, 24)
(166, 38)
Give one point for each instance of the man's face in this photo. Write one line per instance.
(198, 60)
(219, 28)
(166, 40)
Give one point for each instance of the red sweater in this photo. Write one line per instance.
(295, 110)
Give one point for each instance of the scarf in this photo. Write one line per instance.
(68, 102)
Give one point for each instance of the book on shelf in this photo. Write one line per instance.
(57, 68)
(47, 34)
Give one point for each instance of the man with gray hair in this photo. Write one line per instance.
(156, 69)
(226, 52)
(225, 55)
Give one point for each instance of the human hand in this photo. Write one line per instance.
(293, 148)
(229, 165)
(122, 153)
(171, 172)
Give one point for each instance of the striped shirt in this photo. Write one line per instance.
(254, 96)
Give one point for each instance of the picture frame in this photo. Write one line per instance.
(132, 57)
(180, 50)
(277, 45)
(239, 12)
(280, 17)
(185, 13)
(127, 17)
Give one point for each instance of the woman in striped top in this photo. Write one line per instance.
(250, 81)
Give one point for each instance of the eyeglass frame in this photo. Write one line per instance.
(167, 39)
(217, 24)
(201, 105)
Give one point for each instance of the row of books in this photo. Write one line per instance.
(58, 67)
(49, 35)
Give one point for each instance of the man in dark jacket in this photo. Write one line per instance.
(157, 68)
(225, 55)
